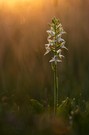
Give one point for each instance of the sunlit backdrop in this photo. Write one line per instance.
(24, 70)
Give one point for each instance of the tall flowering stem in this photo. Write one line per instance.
(55, 45)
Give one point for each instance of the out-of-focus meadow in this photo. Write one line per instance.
(24, 70)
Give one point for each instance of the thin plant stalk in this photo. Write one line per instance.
(57, 91)
(55, 88)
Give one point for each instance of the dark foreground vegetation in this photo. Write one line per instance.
(34, 118)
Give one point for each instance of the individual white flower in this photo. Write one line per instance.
(61, 30)
(55, 59)
(60, 40)
(47, 46)
(59, 36)
(51, 32)
(59, 25)
(52, 28)
(62, 45)
(59, 51)
(48, 49)
(59, 54)
(51, 42)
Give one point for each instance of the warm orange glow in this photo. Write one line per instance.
(12, 2)
(17, 6)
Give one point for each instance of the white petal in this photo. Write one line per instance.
(50, 32)
(60, 25)
(59, 60)
(63, 45)
(63, 32)
(60, 39)
(59, 51)
(55, 59)
(61, 56)
(47, 52)
(59, 35)
(51, 42)
(52, 60)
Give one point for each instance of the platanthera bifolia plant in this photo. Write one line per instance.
(55, 45)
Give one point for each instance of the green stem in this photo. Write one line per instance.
(55, 88)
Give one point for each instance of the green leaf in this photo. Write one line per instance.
(64, 109)
(37, 107)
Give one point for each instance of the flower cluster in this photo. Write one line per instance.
(55, 41)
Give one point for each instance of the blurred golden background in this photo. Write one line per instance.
(24, 70)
